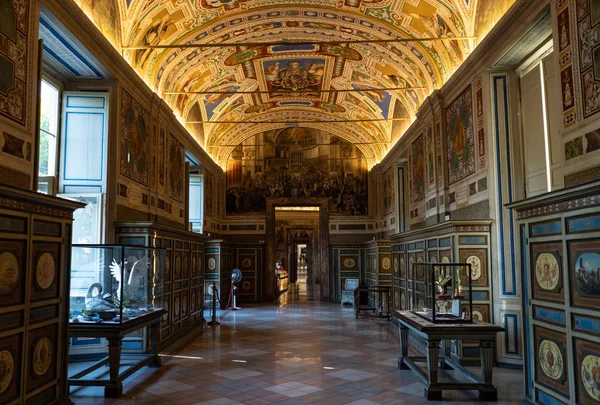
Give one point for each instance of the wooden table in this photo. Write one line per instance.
(383, 292)
(114, 333)
(433, 334)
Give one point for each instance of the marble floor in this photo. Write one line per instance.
(292, 353)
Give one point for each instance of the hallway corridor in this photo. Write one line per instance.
(293, 353)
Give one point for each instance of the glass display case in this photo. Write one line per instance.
(113, 284)
(442, 292)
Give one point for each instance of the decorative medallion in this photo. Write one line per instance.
(212, 263)
(42, 356)
(45, 271)
(178, 264)
(349, 263)
(396, 299)
(551, 359)
(590, 375)
(475, 263)
(246, 262)
(176, 307)
(402, 300)
(7, 369)
(477, 316)
(9, 273)
(396, 265)
(246, 285)
(445, 259)
(547, 271)
(386, 263)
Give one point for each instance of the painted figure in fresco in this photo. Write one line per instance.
(152, 37)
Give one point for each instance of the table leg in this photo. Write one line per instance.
(154, 338)
(489, 392)
(114, 388)
(433, 393)
(403, 347)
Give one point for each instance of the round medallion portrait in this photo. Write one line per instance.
(590, 375)
(386, 263)
(547, 271)
(475, 263)
(402, 265)
(9, 273)
(7, 369)
(42, 356)
(165, 316)
(349, 263)
(246, 285)
(212, 263)
(402, 300)
(477, 316)
(246, 262)
(184, 302)
(445, 259)
(550, 359)
(45, 271)
(419, 259)
(396, 265)
(176, 307)
(396, 299)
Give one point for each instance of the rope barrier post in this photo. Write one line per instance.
(214, 321)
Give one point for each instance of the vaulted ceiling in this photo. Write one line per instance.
(272, 81)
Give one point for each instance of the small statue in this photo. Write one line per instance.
(132, 277)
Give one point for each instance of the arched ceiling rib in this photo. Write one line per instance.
(297, 76)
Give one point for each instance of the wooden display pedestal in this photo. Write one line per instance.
(114, 334)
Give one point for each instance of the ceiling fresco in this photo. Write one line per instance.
(278, 81)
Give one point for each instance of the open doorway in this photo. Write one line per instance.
(300, 243)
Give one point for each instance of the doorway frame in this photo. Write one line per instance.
(321, 255)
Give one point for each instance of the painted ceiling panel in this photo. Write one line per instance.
(388, 59)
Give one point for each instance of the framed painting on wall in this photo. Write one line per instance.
(551, 360)
(584, 269)
(587, 372)
(477, 258)
(546, 271)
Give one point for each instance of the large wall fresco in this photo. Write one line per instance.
(461, 143)
(588, 17)
(134, 140)
(296, 162)
(13, 58)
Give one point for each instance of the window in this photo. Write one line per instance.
(49, 118)
(196, 199)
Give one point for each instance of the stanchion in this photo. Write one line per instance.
(214, 321)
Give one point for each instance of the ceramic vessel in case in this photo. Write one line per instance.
(442, 292)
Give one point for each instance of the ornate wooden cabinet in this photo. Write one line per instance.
(35, 254)
(184, 277)
(560, 260)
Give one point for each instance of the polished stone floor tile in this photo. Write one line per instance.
(292, 353)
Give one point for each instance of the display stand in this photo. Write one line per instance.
(114, 334)
(433, 334)
(361, 295)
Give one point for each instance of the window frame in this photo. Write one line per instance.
(52, 177)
